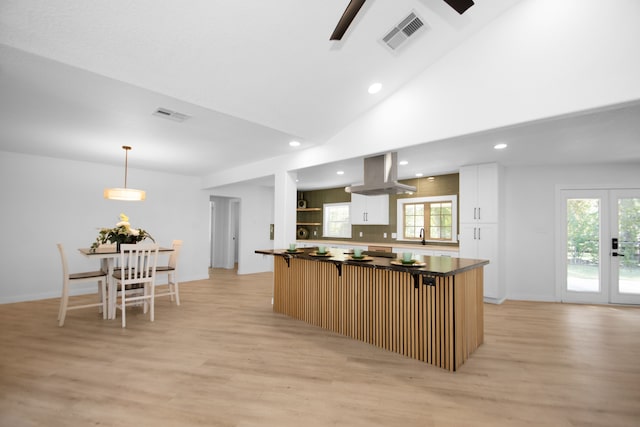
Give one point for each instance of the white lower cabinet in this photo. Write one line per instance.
(347, 247)
(445, 253)
(425, 252)
(480, 241)
(314, 243)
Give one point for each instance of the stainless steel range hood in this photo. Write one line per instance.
(381, 177)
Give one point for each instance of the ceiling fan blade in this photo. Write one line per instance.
(347, 17)
(460, 6)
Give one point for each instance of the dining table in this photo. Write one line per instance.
(108, 256)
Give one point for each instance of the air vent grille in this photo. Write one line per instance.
(412, 26)
(399, 34)
(170, 114)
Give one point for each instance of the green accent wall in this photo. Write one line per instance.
(441, 185)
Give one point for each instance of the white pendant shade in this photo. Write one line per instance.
(128, 194)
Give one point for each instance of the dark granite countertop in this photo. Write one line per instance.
(426, 265)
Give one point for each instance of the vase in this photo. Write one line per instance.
(128, 241)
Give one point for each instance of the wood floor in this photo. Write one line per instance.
(223, 358)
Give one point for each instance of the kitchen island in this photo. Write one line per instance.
(431, 311)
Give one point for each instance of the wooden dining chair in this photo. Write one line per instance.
(69, 279)
(137, 269)
(171, 272)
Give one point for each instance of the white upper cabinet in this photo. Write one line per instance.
(369, 210)
(479, 193)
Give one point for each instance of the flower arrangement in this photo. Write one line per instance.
(121, 233)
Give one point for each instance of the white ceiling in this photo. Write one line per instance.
(80, 79)
(605, 136)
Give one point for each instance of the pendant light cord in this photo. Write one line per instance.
(126, 163)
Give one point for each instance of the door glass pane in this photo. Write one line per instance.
(583, 245)
(629, 245)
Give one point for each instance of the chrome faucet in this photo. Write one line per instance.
(422, 236)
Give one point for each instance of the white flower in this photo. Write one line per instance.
(123, 223)
(134, 232)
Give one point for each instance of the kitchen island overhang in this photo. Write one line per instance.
(432, 312)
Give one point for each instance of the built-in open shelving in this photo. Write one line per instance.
(313, 217)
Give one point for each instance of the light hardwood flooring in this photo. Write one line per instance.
(223, 358)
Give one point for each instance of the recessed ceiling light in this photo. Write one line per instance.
(403, 163)
(340, 172)
(431, 178)
(419, 174)
(375, 88)
(294, 143)
(500, 146)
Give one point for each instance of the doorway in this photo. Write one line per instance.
(225, 230)
(599, 246)
(234, 232)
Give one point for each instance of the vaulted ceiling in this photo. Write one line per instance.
(80, 79)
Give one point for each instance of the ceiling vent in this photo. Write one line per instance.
(408, 27)
(171, 115)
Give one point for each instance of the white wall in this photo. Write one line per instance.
(47, 201)
(256, 215)
(530, 221)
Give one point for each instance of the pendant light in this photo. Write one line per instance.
(124, 193)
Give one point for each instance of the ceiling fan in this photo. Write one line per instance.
(354, 6)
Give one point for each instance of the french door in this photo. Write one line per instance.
(599, 246)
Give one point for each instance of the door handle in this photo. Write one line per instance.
(616, 254)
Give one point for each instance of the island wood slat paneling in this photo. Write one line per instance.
(440, 325)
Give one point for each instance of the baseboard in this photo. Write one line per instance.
(490, 300)
(534, 298)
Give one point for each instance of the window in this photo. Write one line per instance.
(413, 220)
(431, 219)
(434, 218)
(336, 220)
